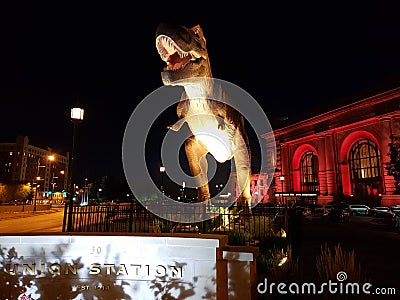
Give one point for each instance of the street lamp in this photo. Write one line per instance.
(76, 119)
(183, 191)
(51, 158)
(99, 195)
(38, 172)
(36, 191)
(85, 197)
(162, 171)
(282, 178)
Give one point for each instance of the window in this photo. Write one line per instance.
(309, 172)
(364, 160)
(365, 169)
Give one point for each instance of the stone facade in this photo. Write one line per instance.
(340, 154)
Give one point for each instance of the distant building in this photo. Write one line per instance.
(42, 168)
(339, 155)
(258, 187)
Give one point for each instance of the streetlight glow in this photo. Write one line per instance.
(77, 113)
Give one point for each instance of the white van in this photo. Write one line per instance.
(358, 209)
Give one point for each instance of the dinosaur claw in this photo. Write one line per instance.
(173, 127)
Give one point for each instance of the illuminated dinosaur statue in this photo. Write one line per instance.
(215, 126)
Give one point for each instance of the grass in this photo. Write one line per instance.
(331, 262)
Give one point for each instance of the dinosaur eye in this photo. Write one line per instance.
(196, 31)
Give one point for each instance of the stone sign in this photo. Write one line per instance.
(118, 267)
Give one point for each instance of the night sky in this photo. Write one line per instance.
(296, 60)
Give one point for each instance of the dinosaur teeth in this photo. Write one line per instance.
(166, 47)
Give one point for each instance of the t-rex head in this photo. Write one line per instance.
(184, 50)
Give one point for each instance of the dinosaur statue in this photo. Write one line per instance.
(216, 127)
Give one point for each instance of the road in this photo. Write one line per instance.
(29, 222)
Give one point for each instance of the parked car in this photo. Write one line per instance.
(395, 209)
(339, 215)
(317, 214)
(340, 205)
(303, 211)
(384, 219)
(306, 212)
(397, 221)
(374, 210)
(359, 209)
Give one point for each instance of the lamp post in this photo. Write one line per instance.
(34, 204)
(282, 178)
(37, 178)
(85, 196)
(76, 119)
(63, 186)
(162, 171)
(183, 191)
(36, 189)
(53, 184)
(99, 195)
(51, 158)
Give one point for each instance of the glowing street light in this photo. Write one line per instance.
(282, 178)
(36, 191)
(51, 158)
(183, 191)
(76, 118)
(77, 114)
(162, 171)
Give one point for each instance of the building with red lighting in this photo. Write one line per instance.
(338, 155)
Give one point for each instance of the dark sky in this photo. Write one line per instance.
(295, 59)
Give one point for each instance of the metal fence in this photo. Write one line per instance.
(242, 227)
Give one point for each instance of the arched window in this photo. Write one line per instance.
(365, 169)
(309, 172)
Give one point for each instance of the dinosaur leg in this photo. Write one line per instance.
(196, 155)
(243, 170)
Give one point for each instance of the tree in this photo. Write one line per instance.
(14, 191)
(393, 166)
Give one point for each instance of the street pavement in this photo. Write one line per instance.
(32, 222)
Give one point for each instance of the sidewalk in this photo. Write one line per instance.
(27, 214)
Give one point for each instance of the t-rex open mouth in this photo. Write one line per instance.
(170, 52)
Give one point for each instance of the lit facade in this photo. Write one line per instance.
(42, 168)
(339, 155)
(258, 187)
